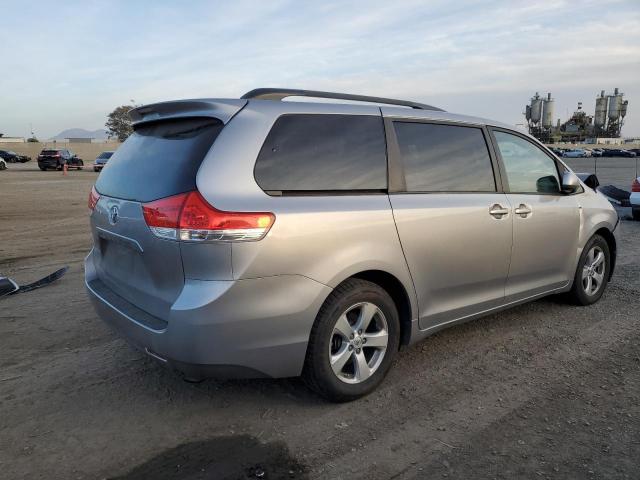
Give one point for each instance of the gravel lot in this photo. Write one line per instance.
(545, 390)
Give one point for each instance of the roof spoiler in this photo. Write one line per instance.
(281, 93)
(222, 109)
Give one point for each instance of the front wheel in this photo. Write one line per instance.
(353, 341)
(592, 273)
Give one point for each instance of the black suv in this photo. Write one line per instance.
(57, 158)
(12, 157)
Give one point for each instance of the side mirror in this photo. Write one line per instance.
(570, 182)
(589, 179)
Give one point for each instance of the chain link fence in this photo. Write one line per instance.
(616, 171)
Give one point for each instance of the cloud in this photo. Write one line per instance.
(440, 52)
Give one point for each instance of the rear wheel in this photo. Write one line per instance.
(592, 273)
(635, 212)
(353, 341)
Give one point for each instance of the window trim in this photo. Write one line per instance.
(325, 193)
(503, 171)
(397, 183)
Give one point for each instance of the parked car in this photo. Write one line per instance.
(3, 164)
(101, 161)
(617, 152)
(596, 152)
(576, 153)
(634, 199)
(10, 156)
(256, 237)
(57, 157)
(636, 151)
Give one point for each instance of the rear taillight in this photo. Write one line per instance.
(188, 217)
(94, 196)
(635, 186)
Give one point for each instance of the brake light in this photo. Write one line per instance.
(190, 218)
(635, 186)
(94, 196)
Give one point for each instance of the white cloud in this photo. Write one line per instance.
(439, 52)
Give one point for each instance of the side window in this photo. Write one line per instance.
(323, 152)
(529, 169)
(444, 158)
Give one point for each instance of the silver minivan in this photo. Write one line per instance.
(259, 237)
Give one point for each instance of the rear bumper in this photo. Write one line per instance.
(634, 199)
(243, 328)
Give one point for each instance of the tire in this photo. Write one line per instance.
(351, 301)
(635, 213)
(3, 166)
(42, 168)
(584, 292)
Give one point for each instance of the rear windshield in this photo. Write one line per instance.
(159, 160)
(50, 152)
(105, 155)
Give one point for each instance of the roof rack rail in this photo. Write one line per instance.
(280, 93)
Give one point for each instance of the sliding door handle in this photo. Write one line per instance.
(498, 211)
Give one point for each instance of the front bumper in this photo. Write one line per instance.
(243, 328)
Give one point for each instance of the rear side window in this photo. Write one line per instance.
(529, 169)
(159, 160)
(444, 158)
(323, 153)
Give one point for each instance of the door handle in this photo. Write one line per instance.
(523, 210)
(498, 211)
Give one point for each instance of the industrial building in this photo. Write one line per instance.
(607, 121)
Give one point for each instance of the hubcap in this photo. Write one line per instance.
(358, 343)
(593, 271)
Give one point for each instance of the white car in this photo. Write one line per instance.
(578, 153)
(635, 199)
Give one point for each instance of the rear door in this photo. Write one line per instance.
(160, 159)
(452, 217)
(546, 222)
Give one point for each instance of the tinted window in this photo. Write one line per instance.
(529, 169)
(444, 158)
(105, 155)
(159, 160)
(323, 152)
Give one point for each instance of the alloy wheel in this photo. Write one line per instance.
(593, 271)
(358, 343)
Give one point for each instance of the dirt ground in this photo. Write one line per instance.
(545, 390)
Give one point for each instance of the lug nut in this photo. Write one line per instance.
(360, 332)
(364, 340)
(357, 350)
(351, 336)
(350, 347)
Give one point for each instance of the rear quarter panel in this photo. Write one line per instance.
(325, 238)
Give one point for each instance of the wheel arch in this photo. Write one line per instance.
(398, 293)
(610, 238)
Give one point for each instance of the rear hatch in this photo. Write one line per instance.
(159, 160)
(49, 157)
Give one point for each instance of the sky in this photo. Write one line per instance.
(68, 64)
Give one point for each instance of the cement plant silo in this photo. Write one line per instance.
(600, 117)
(547, 111)
(615, 106)
(536, 108)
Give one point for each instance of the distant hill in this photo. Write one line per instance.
(81, 133)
